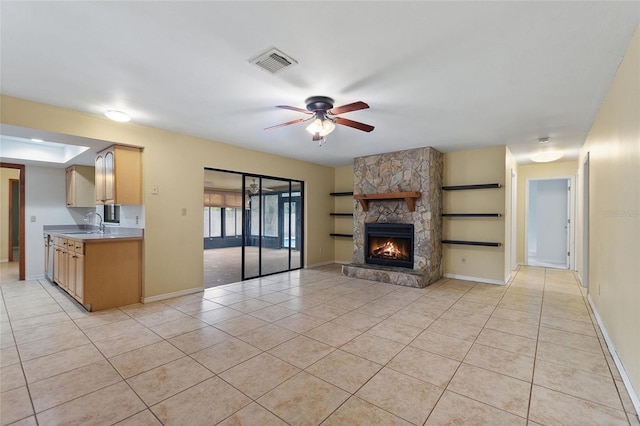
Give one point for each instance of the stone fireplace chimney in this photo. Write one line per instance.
(415, 170)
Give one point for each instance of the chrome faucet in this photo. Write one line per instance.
(100, 224)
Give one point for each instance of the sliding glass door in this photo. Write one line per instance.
(273, 226)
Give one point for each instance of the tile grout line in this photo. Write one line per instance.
(508, 286)
(535, 354)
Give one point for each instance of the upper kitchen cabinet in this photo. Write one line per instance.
(119, 175)
(80, 186)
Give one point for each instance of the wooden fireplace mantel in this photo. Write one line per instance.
(409, 198)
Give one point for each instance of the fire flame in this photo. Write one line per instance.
(388, 250)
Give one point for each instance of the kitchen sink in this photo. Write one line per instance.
(82, 232)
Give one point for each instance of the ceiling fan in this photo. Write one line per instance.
(254, 188)
(324, 116)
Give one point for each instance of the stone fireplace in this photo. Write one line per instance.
(378, 177)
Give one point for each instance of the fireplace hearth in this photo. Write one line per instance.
(389, 244)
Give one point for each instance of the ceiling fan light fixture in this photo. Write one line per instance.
(321, 126)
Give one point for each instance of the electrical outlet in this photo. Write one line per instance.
(155, 190)
(33, 218)
(136, 220)
(184, 211)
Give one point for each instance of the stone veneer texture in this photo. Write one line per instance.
(419, 170)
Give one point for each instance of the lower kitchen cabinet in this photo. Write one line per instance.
(100, 274)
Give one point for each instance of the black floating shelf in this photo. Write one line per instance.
(471, 215)
(342, 235)
(472, 243)
(341, 194)
(341, 214)
(462, 187)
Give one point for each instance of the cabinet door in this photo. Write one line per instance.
(56, 264)
(46, 256)
(100, 178)
(71, 272)
(79, 275)
(64, 266)
(109, 178)
(71, 187)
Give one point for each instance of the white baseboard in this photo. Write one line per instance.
(172, 295)
(34, 277)
(580, 280)
(4, 260)
(614, 355)
(476, 279)
(315, 265)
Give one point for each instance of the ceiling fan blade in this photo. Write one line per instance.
(285, 124)
(294, 109)
(348, 108)
(354, 124)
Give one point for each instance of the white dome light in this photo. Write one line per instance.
(118, 116)
(546, 156)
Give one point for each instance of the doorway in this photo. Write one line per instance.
(548, 234)
(272, 226)
(253, 226)
(13, 200)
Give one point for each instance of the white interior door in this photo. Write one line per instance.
(548, 236)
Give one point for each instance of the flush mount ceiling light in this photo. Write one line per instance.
(36, 140)
(546, 156)
(543, 140)
(118, 116)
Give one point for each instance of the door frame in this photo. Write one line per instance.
(584, 273)
(21, 225)
(11, 207)
(570, 212)
(514, 227)
(300, 234)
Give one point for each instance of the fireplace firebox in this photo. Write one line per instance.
(389, 244)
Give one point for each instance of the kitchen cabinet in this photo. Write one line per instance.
(47, 254)
(99, 273)
(118, 175)
(75, 269)
(61, 263)
(80, 182)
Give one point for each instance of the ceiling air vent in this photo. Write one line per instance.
(273, 61)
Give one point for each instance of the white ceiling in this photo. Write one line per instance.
(452, 75)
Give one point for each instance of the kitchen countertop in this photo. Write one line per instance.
(84, 233)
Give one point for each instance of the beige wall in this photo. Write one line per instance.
(613, 145)
(510, 166)
(175, 163)
(478, 166)
(5, 175)
(536, 171)
(343, 182)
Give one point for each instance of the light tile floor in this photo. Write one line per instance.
(313, 347)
